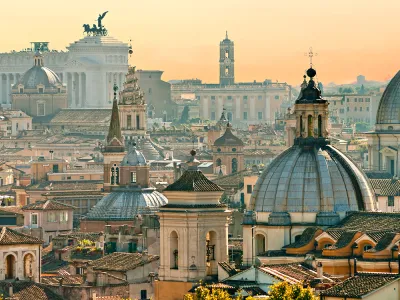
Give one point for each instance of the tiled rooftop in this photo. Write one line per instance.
(12, 237)
(121, 261)
(48, 205)
(360, 285)
(193, 181)
(28, 290)
(66, 280)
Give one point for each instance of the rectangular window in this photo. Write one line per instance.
(51, 217)
(212, 97)
(342, 111)
(355, 99)
(229, 97)
(68, 177)
(360, 108)
(260, 98)
(133, 177)
(355, 108)
(245, 115)
(249, 189)
(390, 200)
(367, 99)
(360, 100)
(367, 108)
(143, 294)
(34, 219)
(212, 115)
(334, 102)
(81, 177)
(21, 90)
(129, 121)
(41, 90)
(260, 115)
(63, 216)
(348, 99)
(40, 109)
(348, 108)
(244, 99)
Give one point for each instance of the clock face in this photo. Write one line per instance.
(227, 60)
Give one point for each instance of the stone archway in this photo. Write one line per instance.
(10, 266)
(260, 242)
(29, 260)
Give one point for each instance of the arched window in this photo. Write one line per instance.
(218, 162)
(259, 244)
(114, 175)
(226, 54)
(319, 126)
(390, 127)
(367, 247)
(301, 126)
(310, 126)
(327, 245)
(233, 149)
(211, 253)
(234, 165)
(28, 266)
(226, 71)
(173, 246)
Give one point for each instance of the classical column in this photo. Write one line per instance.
(105, 77)
(8, 89)
(81, 90)
(267, 110)
(73, 89)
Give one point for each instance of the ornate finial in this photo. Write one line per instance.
(193, 152)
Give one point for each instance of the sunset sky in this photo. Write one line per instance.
(271, 38)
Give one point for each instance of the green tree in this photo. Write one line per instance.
(185, 115)
(285, 291)
(203, 293)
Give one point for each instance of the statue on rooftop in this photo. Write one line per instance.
(96, 30)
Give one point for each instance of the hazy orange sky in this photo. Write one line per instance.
(271, 38)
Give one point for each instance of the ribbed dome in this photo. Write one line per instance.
(40, 75)
(134, 158)
(228, 139)
(311, 180)
(125, 204)
(389, 106)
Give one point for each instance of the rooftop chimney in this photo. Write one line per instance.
(10, 290)
(320, 270)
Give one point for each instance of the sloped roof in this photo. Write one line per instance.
(305, 238)
(228, 139)
(360, 285)
(28, 290)
(386, 187)
(12, 237)
(122, 261)
(193, 181)
(47, 205)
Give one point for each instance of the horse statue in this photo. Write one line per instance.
(96, 30)
(86, 29)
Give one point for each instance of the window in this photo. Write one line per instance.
(229, 97)
(16, 126)
(341, 110)
(390, 200)
(355, 99)
(361, 100)
(68, 177)
(81, 177)
(360, 108)
(40, 109)
(59, 90)
(245, 115)
(64, 216)
(41, 90)
(233, 149)
(244, 99)
(51, 217)
(133, 177)
(327, 245)
(276, 97)
(226, 54)
(129, 121)
(213, 115)
(34, 219)
(212, 97)
(367, 108)
(367, 99)
(143, 294)
(348, 99)
(219, 150)
(334, 103)
(367, 247)
(348, 108)
(21, 90)
(260, 115)
(259, 98)
(355, 108)
(226, 71)
(249, 189)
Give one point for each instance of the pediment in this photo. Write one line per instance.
(389, 150)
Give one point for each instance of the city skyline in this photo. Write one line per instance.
(267, 45)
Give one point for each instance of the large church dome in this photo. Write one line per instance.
(39, 74)
(312, 177)
(389, 106)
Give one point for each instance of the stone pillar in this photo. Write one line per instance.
(106, 80)
(8, 89)
(81, 90)
(69, 88)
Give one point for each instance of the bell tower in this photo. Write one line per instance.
(226, 62)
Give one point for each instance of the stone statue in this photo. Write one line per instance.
(98, 29)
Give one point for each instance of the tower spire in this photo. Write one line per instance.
(115, 142)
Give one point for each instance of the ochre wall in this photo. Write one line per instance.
(170, 290)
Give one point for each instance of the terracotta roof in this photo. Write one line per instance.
(193, 181)
(378, 175)
(344, 240)
(360, 285)
(386, 187)
(68, 186)
(370, 222)
(383, 243)
(121, 261)
(219, 205)
(86, 116)
(235, 179)
(11, 210)
(12, 237)
(28, 290)
(47, 205)
(66, 280)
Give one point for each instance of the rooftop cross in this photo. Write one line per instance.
(311, 54)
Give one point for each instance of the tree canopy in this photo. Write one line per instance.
(285, 291)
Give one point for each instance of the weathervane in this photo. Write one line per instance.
(311, 54)
(98, 29)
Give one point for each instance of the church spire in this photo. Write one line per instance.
(115, 142)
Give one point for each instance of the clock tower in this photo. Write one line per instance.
(226, 62)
